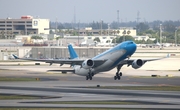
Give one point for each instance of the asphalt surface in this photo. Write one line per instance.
(70, 87)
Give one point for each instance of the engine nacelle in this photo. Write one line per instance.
(88, 64)
(137, 63)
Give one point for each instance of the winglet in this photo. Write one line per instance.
(72, 52)
(16, 57)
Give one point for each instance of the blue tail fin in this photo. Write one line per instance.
(72, 52)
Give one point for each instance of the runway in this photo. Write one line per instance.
(150, 99)
(72, 88)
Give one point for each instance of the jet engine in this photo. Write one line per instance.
(88, 64)
(137, 63)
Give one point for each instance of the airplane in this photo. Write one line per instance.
(114, 57)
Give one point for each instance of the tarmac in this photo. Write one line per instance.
(57, 87)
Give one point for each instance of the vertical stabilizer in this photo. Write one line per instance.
(72, 52)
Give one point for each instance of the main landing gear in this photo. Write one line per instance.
(89, 77)
(118, 74)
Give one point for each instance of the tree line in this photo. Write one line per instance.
(151, 29)
(114, 25)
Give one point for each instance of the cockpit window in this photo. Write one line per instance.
(130, 42)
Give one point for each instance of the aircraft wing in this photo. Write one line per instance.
(129, 62)
(63, 61)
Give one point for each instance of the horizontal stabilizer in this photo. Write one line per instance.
(63, 71)
(16, 57)
(168, 55)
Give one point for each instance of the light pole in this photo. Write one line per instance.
(160, 36)
(78, 33)
(108, 29)
(114, 36)
(175, 37)
(124, 33)
(101, 27)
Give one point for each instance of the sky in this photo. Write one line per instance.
(92, 10)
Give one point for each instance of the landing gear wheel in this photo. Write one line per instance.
(87, 77)
(120, 73)
(92, 74)
(118, 77)
(117, 74)
(115, 77)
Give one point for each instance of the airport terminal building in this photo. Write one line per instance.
(25, 25)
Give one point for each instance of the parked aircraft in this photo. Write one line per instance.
(114, 57)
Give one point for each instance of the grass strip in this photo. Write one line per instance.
(11, 97)
(67, 109)
(21, 64)
(17, 79)
(158, 88)
(97, 102)
(170, 76)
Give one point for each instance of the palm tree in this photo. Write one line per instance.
(128, 32)
(108, 41)
(57, 38)
(99, 32)
(114, 31)
(67, 31)
(11, 35)
(2, 35)
(97, 39)
(118, 31)
(111, 32)
(104, 32)
(87, 32)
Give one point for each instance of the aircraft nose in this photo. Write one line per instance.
(131, 48)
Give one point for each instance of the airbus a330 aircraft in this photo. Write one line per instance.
(114, 57)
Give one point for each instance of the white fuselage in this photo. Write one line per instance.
(111, 57)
